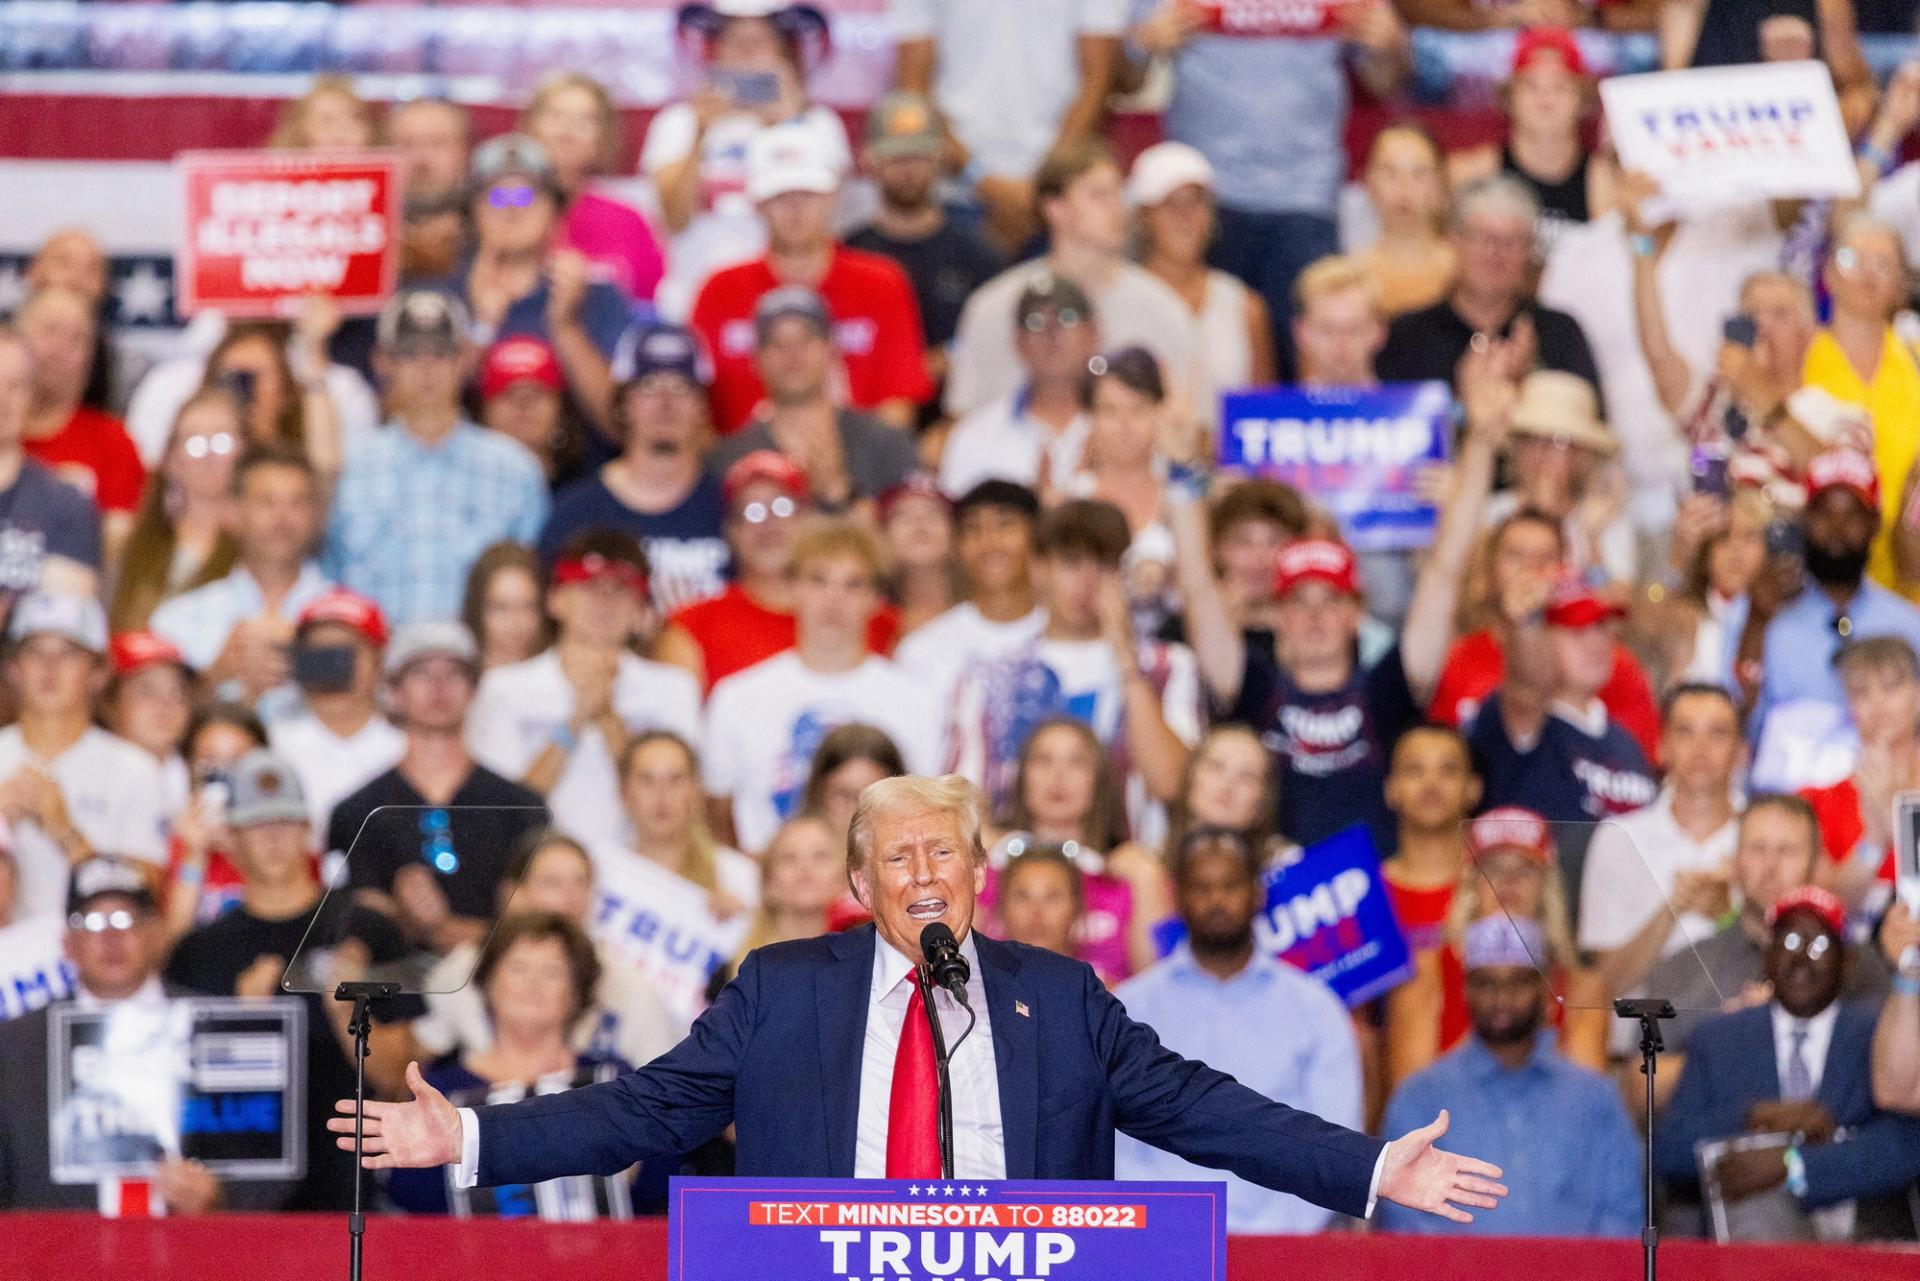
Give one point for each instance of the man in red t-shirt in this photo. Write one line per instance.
(767, 499)
(85, 447)
(794, 181)
(1532, 542)
(1881, 676)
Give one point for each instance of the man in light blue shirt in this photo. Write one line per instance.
(1837, 605)
(1221, 999)
(1558, 1131)
(1266, 100)
(419, 502)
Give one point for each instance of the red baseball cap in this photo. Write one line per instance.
(1573, 603)
(132, 652)
(518, 360)
(1512, 828)
(585, 569)
(349, 608)
(916, 485)
(1321, 560)
(1535, 41)
(764, 465)
(1844, 469)
(1823, 903)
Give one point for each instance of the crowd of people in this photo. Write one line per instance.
(547, 626)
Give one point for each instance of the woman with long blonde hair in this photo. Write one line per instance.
(575, 119)
(180, 538)
(802, 874)
(330, 116)
(667, 822)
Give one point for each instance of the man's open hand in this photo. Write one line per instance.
(1422, 1177)
(408, 1136)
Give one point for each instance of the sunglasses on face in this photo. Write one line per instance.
(760, 513)
(510, 196)
(1040, 321)
(218, 445)
(120, 919)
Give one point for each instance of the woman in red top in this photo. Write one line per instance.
(1514, 870)
(752, 620)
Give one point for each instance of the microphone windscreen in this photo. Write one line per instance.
(937, 937)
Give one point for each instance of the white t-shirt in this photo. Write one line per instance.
(1134, 309)
(1895, 200)
(519, 708)
(727, 230)
(935, 653)
(331, 768)
(764, 724)
(997, 701)
(1590, 276)
(1007, 69)
(113, 795)
(1001, 441)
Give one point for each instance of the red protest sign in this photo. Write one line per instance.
(262, 229)
(1272, 17)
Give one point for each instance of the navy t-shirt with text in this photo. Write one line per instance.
(686, 549)
(1569, 776)
(1332, 748)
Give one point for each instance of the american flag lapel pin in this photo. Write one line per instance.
(1020, 1008)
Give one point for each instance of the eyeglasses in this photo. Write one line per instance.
(1815, 946)
(1850, 260)
(760, 513)
(118, 920)
(218, 445)
(1040, 321)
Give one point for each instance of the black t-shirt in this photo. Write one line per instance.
(211, 959)
(466, 842)
(1730, 29)
(1332, 748)
(945, 268)
(686, 545)
(1427, 345)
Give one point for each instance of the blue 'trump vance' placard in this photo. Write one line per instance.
(1357, 451)
(947, 1230)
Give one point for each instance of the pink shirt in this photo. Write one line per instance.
(615, 238)
(1103, 940)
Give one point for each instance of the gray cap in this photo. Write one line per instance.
(67, 615)
(903, 124)
(416, 641)
(791, 300)
(423, 315)
(104, 874)
(265, 790)
(512, 155)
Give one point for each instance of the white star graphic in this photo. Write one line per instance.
(982, 1190)
(13, 288)
(913, 1189)
(949, 1189)
(142, 295)
(965, 1190)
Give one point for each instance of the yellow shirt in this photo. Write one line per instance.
(1892, 400)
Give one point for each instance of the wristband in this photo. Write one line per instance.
(190, 876)
(563, 737)
(1796, 1170)
(1904, 986)
(1879, 157)
(1644, 245)
(1188, 482)
(1868, 854)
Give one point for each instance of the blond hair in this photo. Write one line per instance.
(1472, 900)
(909, 795)
(1335, 274)
(826, 539)
(607, 159)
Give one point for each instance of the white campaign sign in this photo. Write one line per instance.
(662, 922)
(1721, 136)
(34, 970)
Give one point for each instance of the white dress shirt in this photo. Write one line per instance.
(1819, 1030)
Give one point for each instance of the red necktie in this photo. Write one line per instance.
(913, 1109)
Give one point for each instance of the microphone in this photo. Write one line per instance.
(950, 969)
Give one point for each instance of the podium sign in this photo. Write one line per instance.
(948, 1230)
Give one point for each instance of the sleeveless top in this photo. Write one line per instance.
(1562, 203)
(1222, 325)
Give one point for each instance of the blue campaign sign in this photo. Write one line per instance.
(950, 1230)
(1328, 914)
(1357, 451)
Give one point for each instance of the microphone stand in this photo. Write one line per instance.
(1650, 1011)
(359, 1027)
(940, 1059)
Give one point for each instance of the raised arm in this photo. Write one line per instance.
(1213, 633)
(1896, 1040)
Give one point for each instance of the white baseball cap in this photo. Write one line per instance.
(72, 617)
(1163, 169)
(790, 156)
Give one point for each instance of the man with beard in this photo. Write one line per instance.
(1800, 694)
(1504, 1083)
(1797, 1064)
(1219, 997)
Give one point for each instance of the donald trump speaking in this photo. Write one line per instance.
(821, 1055)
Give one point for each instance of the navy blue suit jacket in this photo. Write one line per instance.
(779, 1053)
(1731, 1066)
